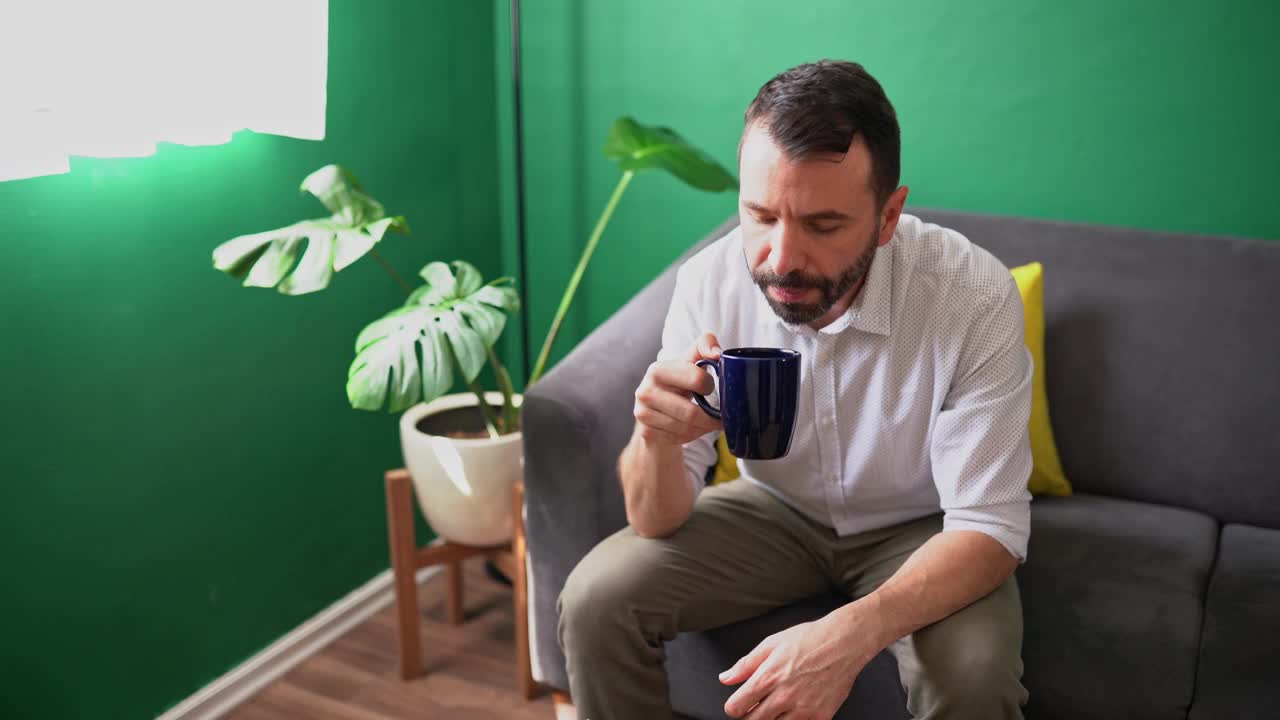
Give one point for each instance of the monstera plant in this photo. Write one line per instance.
(448, 325)
(357, 222)
(455, 320)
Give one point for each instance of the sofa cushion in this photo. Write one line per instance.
(1240, 649)
(695, 659)
(1112, 597)
(1160, 356)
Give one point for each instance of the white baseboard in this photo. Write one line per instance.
(224, 694)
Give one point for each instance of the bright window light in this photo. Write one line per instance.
(111, 78)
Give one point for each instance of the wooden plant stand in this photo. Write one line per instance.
(407, 558)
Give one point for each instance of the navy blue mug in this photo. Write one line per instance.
(759, 394)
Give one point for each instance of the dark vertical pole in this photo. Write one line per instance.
(521, 241)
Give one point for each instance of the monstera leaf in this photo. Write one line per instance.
(640, 147)
(411, 353)
(270, 259)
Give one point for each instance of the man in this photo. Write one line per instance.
(905, 486)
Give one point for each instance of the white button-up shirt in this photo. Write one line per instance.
(915, 400)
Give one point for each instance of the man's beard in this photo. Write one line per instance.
(830, 290)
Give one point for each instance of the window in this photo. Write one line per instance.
(111, 78)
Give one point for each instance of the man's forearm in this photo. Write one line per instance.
(951, 570)
(658, 495)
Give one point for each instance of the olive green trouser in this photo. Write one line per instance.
(742, 553)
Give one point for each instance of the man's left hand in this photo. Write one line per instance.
(805, 671)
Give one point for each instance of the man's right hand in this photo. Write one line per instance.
(664, 412)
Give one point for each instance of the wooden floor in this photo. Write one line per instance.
(470, 671)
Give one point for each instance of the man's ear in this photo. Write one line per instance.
(890, 213)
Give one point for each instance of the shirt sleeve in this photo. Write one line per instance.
(681, 329)
(981, 450)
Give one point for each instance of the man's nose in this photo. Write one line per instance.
(785, 253)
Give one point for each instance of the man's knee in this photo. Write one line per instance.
(968, 665)
(588, 602)
(602, 593)
(980, 681)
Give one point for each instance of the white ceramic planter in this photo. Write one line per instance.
(463, 485)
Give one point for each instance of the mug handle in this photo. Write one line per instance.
(702, 399)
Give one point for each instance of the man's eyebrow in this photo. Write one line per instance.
(808, 217)
(825, 215)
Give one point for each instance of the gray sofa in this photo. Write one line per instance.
(1153, 592)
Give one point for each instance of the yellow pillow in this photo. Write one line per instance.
(726, 463)
(1047, 477)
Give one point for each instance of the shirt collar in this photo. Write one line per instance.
(870, 310)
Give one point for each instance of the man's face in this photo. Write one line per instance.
(810, 228)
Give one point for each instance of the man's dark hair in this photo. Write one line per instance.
(818, 107)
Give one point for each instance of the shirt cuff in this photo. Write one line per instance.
(1009, 524)
(699, 455)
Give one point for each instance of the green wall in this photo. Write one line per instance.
(183, 479)
(1152, 115)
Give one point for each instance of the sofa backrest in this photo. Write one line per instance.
(1162, 359)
